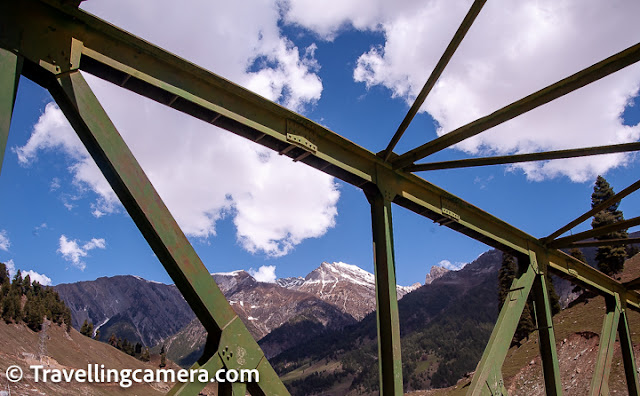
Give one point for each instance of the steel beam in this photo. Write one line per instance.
(615, 199)
(603, 242)
(435, 74)
(628, 357)
(600, 379)
(517, 158)
(114, 55)
(10, 69)
(547, 338)
(389, 349)
(487, 379)
(546, 95)
(159, 228)
(617, 226)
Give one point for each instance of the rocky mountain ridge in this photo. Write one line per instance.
(330, 297)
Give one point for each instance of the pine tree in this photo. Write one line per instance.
(610, 258)
(145, 356)
(4, 274)
(554, 299)
(97, 337)
(11, 307)
(112, 340)
(26, 285)
(163, 356)
(163, 360)
(34, 313)
(84, 330)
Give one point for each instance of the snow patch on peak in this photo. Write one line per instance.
(232, 273)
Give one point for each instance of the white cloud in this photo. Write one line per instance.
(512, 50)
(266, 273)
(5, 243)
(201, 173)
(451, 266)
(40, 278)
(11, 268)
(34, 276)
(73, 252)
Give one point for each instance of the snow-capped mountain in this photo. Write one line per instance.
(330, 297)
(348, 287)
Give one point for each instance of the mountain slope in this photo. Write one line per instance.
(129, 306)
(19, 345)
(290, 311)
(346, 286)
(459, 308)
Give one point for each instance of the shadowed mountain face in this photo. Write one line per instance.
(128, 306)
(330, 297)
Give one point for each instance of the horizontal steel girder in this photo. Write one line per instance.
(517, 158)
(81, 40)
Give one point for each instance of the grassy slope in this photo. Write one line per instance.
(19, 345)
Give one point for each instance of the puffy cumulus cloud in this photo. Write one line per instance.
(201, 173)
(266, 273)
(73, 252)
(240, 40)
(512, 50)
(5, 243)
(451, 266)
(34, 276)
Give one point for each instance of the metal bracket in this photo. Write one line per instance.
(301, 136)
(449, 209)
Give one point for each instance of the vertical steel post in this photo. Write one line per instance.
(389, 354)
(627, 353)
(547, 339)
(10, 68)
(600, 380)
(487, 379)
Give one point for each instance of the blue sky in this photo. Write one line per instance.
(354, 68)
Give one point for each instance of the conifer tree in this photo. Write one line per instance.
(610, 258)
(145, 356)
(34, 313)
(84, 329)
(163, 357)
(4, 274)
(11, 307)
(97, 337)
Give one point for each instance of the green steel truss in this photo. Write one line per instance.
(51, 41)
